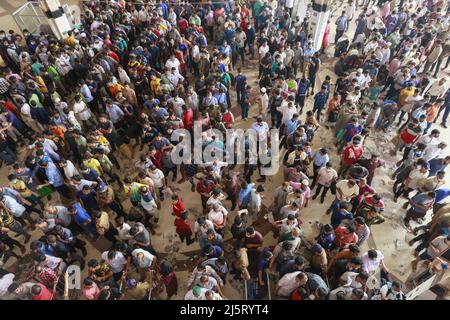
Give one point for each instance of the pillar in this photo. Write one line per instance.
(321, 11)
(57, 19)
(299, 10)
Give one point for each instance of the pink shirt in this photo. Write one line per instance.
(92, 292)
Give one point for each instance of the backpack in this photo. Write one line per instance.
(284, 257)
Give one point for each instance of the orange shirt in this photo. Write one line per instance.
(433, 112)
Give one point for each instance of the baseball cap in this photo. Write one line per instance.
(305, 182)
(263, 90)
(131, 283)
(102, 187)
(196, 290)
(316, 248)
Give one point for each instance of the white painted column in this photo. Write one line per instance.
(56, 17)
(318, 21)
(299, 10)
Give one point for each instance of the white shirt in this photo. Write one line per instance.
(63, 214)
(52, 262)
(265, 102)
(263, 50)
(117, 264)
(158, 177)
(261, 129)
(287, 284)
(289, 4)
(440, 244)
(16, 208)
(147, 261)
(436, 89)
(82, 110)
(370, 265)
(415, 176)
(79, 186)
(5, 282)
(173, 64)
(431, 152)
(70, 170)
(326, 175)
(287, 112)
(26, 110)
(123, 231)
(218, 217)
(346, 190)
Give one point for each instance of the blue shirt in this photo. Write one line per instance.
(421, 199)
(441, 194)
(341, 23)
(245, 195)
(114, 113)
(436, 165)
(86, 92)
(53, 175)
(291, 126)
(320, 160)
(82, 216)
(263, 263)
(225, 50)
(325, 240)
(351, 131)
(217, 252)
(338, 216)
(303, 87)
(240, 81)
(320, 99)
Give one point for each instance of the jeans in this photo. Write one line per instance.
(117, 208)
(34, 200)
(324, 192)
(244, 110)
(63, 191)
(446, 108)
(8, 156)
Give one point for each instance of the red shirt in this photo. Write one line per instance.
(178, 208)
(201, 188)
(157, 159)
(183, 25)
(188, 119)
(45, 293)
(113, 55)
(351, 154)
(342, 239)
(408, 136)
(228, 119)
(182, 227)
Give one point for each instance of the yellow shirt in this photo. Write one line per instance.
(405, 93)
(140, 292)
(94, 164)
(104, 221)
(70, 41)
(21, 187)
(154, 85)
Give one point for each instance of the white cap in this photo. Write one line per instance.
(360, 70)
(263, 90)
(305, 182)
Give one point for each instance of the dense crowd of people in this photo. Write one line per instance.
(75, 110)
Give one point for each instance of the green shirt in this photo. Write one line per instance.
(53, 73)
(134, 190)
(36, 67)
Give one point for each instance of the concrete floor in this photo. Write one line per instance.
(383, 237)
